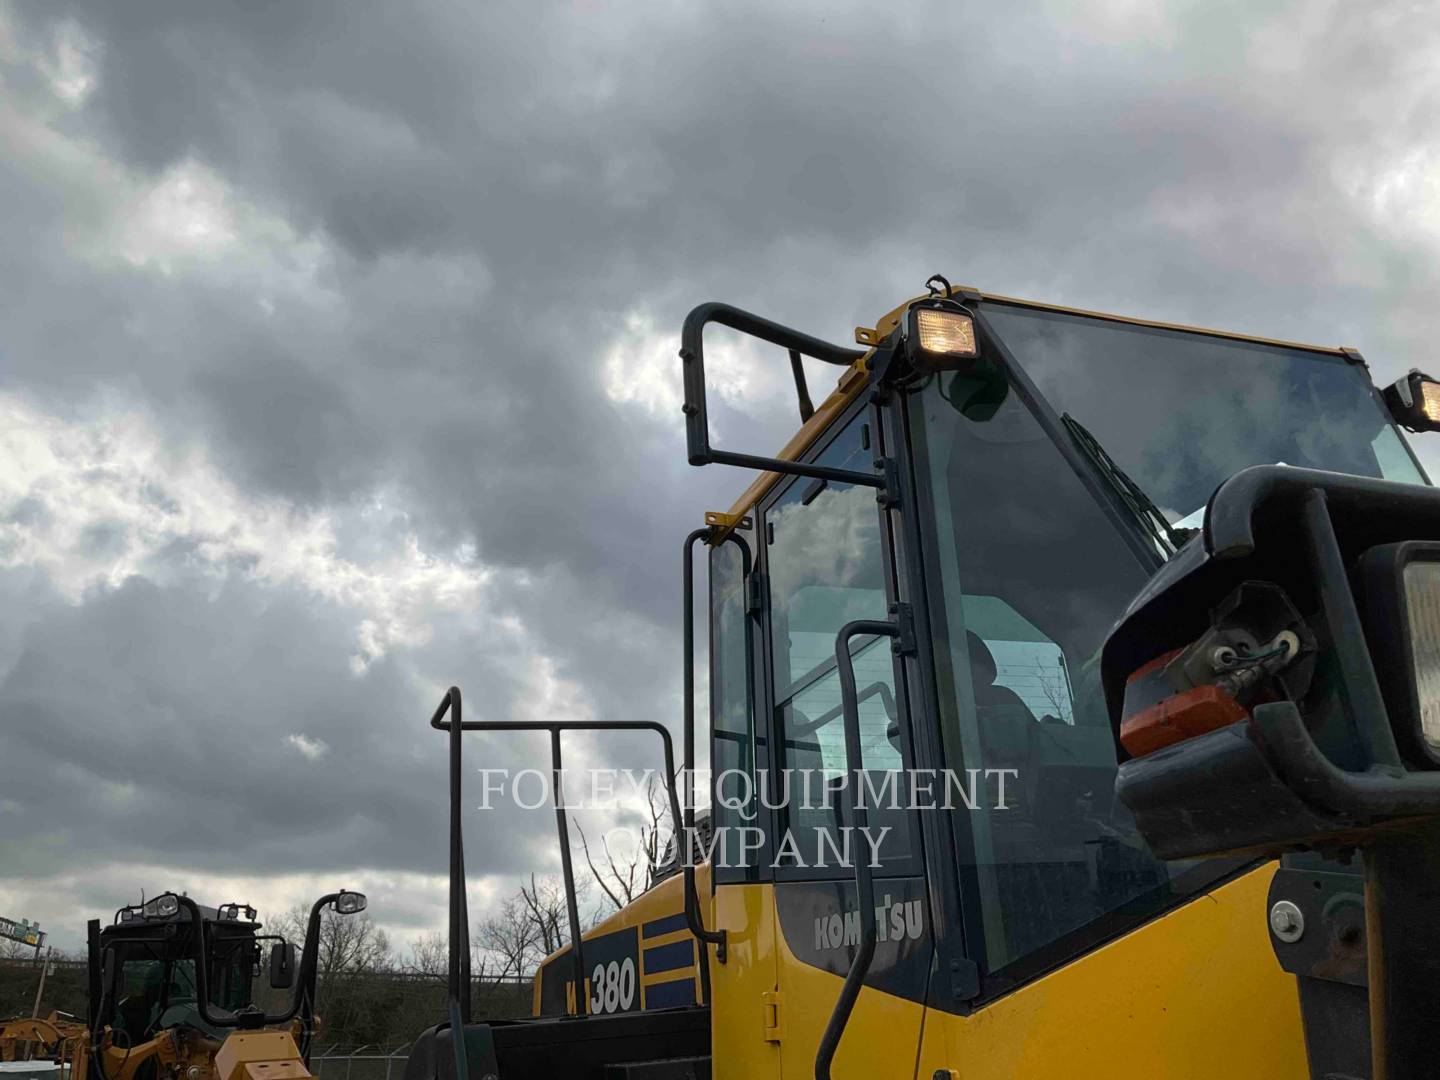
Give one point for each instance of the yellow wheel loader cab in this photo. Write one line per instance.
(171, 994)
(1068, 705)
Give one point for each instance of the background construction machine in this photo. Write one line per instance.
(921, 587)
(30, 1038)
(173, 997)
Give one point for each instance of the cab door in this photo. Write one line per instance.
(826, 560)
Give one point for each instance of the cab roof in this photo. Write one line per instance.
(853, 380)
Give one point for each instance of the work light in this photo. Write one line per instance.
(162, 907)
(941, 336)
(348, 903)
(1414, 401)
(1402, 595)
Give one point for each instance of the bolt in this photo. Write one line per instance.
(1287, 922)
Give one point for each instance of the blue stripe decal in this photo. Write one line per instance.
(667, 925)
(677, 954)
(667, 995)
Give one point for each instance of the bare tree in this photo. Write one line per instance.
(1055, 686)
(625, 877)
(10, 949)
(528, 926)
(347, 942)
(430, 955)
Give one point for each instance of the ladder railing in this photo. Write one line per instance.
(459, 951)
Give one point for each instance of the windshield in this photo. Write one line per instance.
(1030, 574)
(155, 983)
(1181, 412)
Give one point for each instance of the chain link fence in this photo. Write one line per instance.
(422, 1004)
(341, 1062)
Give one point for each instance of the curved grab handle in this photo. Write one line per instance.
(697, 422)
(860, 819)
(304, 983)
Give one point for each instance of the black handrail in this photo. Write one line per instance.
(802, 391)
(459, 914)
(697, 423)
(458, 968)
(860, 819)
(256, 1018)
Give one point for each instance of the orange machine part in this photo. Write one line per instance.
(1187, 714)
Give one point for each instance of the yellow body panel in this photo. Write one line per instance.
(662, 900)
(1196, 993)
(1156, 1004)
(259, 1055)
(268, 1054)
(881, 1039)
(26, 1038)
(747, 1023)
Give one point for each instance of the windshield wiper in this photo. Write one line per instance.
(1149, 516)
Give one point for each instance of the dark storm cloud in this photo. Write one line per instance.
(153, 725)
(445, 213)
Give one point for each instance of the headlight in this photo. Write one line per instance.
(1402, 595)
(941, 336)
(1422, 602)
(162, 907)
(1414, 401)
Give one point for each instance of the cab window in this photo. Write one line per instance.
(1028, 577)
(735, 744)
(825, 567)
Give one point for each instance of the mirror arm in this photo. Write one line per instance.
(697, 423)
(304, 984)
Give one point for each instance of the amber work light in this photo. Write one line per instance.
(1414, 401)
(941, 336)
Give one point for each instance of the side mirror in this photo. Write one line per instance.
(282, 965)
(350, 903)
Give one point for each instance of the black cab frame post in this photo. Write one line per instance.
(92, 973)
(697, 424)
(459, 917)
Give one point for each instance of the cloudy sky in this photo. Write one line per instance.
(337, 353)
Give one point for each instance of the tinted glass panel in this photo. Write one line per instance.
(1182, 412)
(826, 567)
(1032, 576)
(734, 749)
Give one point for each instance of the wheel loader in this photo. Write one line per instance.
(172, 993)
(1074, 712)
(31, 1038)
